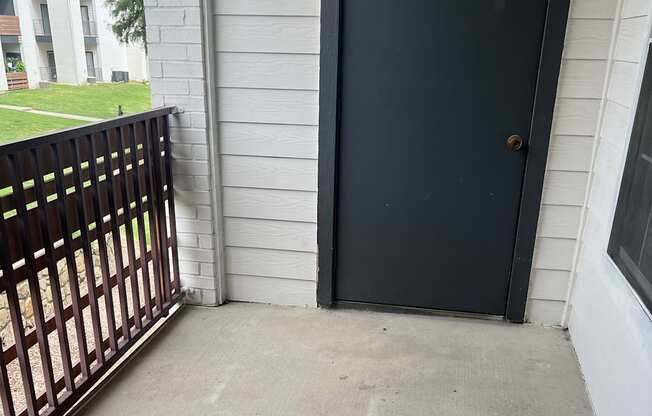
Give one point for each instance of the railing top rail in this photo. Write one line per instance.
(74, 132)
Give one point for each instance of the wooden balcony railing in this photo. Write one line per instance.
(88, 255)
(17, 80)
(9, 26)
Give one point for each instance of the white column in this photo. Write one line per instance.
(3, 75)
(68, 41)
(28, 46)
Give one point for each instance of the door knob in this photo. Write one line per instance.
(514, 143)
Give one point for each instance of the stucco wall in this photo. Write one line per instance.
(610, 328)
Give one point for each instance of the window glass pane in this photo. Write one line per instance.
(645, 144)
(636, 209)
(646, 258)
(631, 238)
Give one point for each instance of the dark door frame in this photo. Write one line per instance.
(535, 166)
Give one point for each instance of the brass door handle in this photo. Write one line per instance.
(514, 143)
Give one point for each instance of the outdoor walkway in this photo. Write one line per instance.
(246, 359)
(49, 113)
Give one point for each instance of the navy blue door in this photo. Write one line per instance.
(428, 193)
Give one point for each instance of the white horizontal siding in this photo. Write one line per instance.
(544, 311)
(575, 116)
(556, 221)
(277, 140)
(582, 79)
(572, 153)
(631, 34)
(266, 70)
(284, 235)
(269, 172)
(554, 254)
(268, 7)
(623, 83)
(272, 263)
(269, 34)
(564, 188)
(635, 8)
(270, 204)
(594, 9)
(271, 290)
(615, 121)
(269, 106)
(588, 39)
(550, 285)
(267, 56)
(579, 99)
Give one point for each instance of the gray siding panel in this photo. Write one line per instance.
(275, 140)
(268, 7)
(267, 54)
(579, 100)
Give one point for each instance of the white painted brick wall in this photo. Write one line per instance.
(174, 40)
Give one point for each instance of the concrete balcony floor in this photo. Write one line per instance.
(247, 359)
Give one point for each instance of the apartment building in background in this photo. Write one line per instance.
(65, 41)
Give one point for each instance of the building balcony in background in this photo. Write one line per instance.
(89, 27)
(42, 29)
(94, 74)
(9, 26)
(48, 73)
(17, 80)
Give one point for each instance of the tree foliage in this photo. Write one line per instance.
(129, 17)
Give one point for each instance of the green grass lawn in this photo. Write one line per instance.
(18, 125)
(99, 100)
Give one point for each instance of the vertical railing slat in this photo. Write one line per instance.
(71, 264)
(162, 222)
(86, 249)
(17, 320)
(101, 242)
(5, 385)
(53, 274)
(32, 278)
(153, 213)
(142, 235)
(115, 233)
(129, 230)
(172, 212)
